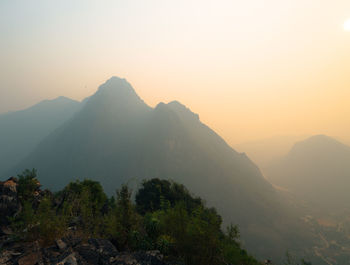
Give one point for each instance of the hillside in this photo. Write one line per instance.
(316, 170)
(21, 131)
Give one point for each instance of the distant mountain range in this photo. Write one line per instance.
(266, 150)
(115, 138)
(21, 131)
(316, 170)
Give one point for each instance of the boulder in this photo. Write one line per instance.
(60, 244)
(30, 259)
(89, 254)
(69, 260)
(103, 246)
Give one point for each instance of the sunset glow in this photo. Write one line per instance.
(347, 25)
(248, 73)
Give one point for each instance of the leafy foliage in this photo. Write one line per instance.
(165, 217)
(83, 203)
(27, 185)
(155, 192)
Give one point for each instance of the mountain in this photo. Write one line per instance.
(21, 131)
(316, 170)
(265, 151)
(117, 138)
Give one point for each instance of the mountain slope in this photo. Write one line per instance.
(21, 131)
(317, 170)
(116, 138)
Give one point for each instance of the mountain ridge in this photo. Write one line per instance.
(116, 137)
(317, 170)
(21, 131)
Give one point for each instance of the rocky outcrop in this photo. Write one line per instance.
(74, 251)
(9, 204)
(71, 250)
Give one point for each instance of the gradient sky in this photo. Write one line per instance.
(251, 69)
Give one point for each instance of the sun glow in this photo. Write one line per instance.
(347, 25)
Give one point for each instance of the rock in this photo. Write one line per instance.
(72, 240)
(124, 259)
(89, 254)
(60, 244)
(5, 230)
(69, 260)
(94, 252)
(29, 259)
(103, 246)
(150, 258)
(139, 258)
(9, 204)
(5, 257)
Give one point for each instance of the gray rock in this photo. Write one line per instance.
(94, 252)
(60, 244)
(70, 260)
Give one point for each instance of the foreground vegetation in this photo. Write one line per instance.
(164, 217)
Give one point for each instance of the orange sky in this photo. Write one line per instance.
(251, 69)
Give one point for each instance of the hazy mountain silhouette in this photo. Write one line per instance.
(317, 170)
(265, 151)
(116, 138)
(21, 131)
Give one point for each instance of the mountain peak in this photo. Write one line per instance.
(115, 83)
(116, 80)
(318, 139)
(62, 98)
(116, 88)
(115, 95)
(318, 145)
(182, 110)
(321, 137)
(53, 103)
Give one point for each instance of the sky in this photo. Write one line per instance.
(251, 69)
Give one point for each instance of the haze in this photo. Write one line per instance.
(252, 69)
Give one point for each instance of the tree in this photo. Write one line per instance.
(126, 219)
(27, 185)
(83, 203)
(154, 193)
(49, 225)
